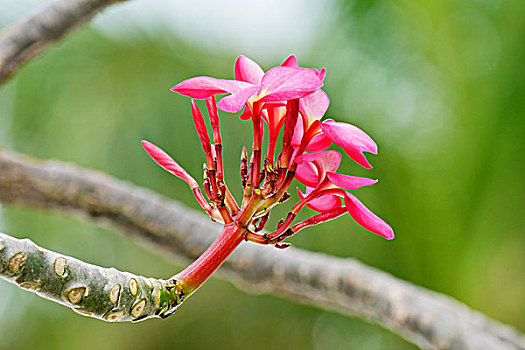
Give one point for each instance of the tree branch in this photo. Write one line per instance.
(423, 317)
(21, 41)
(89, 290)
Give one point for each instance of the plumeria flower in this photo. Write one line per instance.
(320, 135)
(325, 188)
(289, 99)
(252, 85)
(311, 108)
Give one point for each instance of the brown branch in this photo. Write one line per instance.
(21, 41)
(426, 318)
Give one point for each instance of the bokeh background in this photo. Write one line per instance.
(438, 84)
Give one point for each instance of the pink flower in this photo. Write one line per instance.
(204, 87)
(289, 99)
(352, 139)
(364, 217)
(327, 204)
(252, 85)
(320, 136)
(248, 71)
(325, 187)
(312, 108)
(321, 204)
(313, 167)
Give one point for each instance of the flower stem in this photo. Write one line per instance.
(192, 277)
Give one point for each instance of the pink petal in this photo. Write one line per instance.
(274, 104)
(322, 74)
(286, 83)
(291, 61)
(323, 203)
(248, 71)
(298, 133)
(364, 217)
(329, 160)
(246, 114)
(267, 116)
(167, 163)
(348, 182)
(318, 143)
(314, 106)
(275, 115)
(353, 140)
(306, 173)
(236, 101)
(204, 87)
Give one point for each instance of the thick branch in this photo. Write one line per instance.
(423, 317)
(21, 41)
(90, 290)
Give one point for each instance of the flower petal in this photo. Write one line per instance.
(323, 203)
(287, 83)
(246, 114)
(291, 61)
(353, 140)
(204, 87)
(328, 160)
(298, 133)
(248, 71)
(306, 173)
(322, 74)
(167, 163)
(364, 217)
(348, 182)
(318, 143)
(236, 101)
(309, 165)
(314, 106)
(274, 118)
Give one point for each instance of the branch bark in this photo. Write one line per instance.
(21, 41)
(428, 319)
(89, 290)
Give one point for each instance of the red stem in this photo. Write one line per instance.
(257, 145)
(292, 113)
(319, 218)
(201, 269)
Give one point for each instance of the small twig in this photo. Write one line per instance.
(21, 41)
(426, 318)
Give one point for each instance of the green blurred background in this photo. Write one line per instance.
(438, 84)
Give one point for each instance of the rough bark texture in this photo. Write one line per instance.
(89, 290)
(426, 318)
(21, 41)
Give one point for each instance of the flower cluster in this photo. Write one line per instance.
(287, 99)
